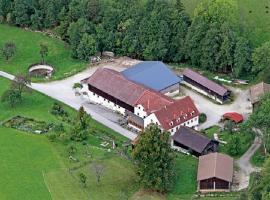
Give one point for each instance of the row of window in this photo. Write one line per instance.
(94, 94)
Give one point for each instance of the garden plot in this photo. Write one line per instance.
(28, 125)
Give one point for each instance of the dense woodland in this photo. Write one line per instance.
(150, 30)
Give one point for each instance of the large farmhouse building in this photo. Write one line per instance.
(205, 86)
(140, 104)
(155, 75)
(215, 173)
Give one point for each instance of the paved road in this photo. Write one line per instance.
(62, 91)
(245, 167)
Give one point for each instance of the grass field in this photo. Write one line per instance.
(27, 52)
(33, 163)
(253, 14)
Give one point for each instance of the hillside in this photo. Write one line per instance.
(254, 14)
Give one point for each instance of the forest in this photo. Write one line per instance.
(212, 40)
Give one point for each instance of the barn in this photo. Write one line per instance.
(215, 173)
(205, 86)
(155, 75)
(190, 141)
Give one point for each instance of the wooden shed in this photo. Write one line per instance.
(215, 173)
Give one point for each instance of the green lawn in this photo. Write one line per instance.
(24, 161)
(252, 13)
(27, 52)
(34, 168)
(246, 139)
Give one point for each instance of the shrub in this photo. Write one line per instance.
(58, 110)
(71, 149)
(202, 118)
(77, 85)
(52, 137)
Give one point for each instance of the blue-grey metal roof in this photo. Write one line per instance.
(153, 74)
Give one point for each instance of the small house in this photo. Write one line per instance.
(215, 173)
(257, 91)
(190, 141)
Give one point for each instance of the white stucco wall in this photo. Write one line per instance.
(194, 122)
(102, 101)
(139, 111)
(151, 119)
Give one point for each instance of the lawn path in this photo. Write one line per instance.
(245, 167)
(62, 91)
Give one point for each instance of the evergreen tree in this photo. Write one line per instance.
(155, 159)
(242, 57)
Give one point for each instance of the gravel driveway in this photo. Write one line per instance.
(214, 111)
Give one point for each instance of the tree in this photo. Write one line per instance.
(155, 159)
(99, 170)
(43, 52)
(87, 47)
(8, 50)
(21, 83)
(234, 145)
(242, 57)
(12, 97)
(260, 119)
(229, 126)
(83, 179)
(83, 118)
(261, 58)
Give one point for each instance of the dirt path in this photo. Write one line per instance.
(245, 167)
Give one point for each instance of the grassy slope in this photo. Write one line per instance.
(257, 22)
(27, 53)
(24, 159)
(27, 158)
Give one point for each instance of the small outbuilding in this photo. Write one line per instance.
(190, 141)
(233, 116)
(215, 173)
(257, 91)
(205, 86)
(155, 75)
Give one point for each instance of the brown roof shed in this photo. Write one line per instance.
(215, 165)
(211, 85)
(257, 91)
(191, 139)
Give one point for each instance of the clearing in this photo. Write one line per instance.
(27, 52)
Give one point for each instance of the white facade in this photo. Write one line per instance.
(194, 122)
(152, 119)
(139, 111)
(102, 101)
(202, 92)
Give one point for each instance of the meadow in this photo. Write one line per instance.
(27, 52)
(33, 167)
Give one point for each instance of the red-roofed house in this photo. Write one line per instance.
(140, 104)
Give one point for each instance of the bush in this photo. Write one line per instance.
(52, 137)
(202, 118)
(71, 149)
(77, 85)
(58, 110)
